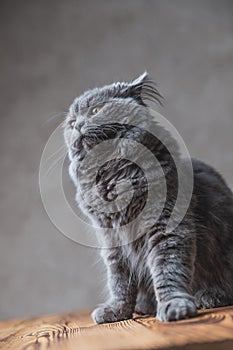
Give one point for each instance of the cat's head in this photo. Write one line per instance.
(101, 112)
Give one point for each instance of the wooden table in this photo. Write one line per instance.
(212, 329)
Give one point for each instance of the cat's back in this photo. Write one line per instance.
(209, 183)
(214, 201)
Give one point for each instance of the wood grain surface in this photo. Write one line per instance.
(212, 330)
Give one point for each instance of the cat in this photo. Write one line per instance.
(169, 274)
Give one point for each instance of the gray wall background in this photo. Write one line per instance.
(53, 50)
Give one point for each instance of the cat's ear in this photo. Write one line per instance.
(139, 80)
(143, 88)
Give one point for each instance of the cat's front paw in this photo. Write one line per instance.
(111, 313)
(176, 309)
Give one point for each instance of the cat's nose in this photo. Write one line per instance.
(78, 125)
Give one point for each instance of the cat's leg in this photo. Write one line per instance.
(171, 263)
(212, 297)
(146, 303)
(122, 288)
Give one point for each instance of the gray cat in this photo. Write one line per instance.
(168, 273)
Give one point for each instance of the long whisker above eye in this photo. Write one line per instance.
(56, 115)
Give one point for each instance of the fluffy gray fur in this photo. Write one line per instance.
(168, 274)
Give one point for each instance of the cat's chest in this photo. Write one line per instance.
(135, 256)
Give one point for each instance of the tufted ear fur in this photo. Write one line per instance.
(142, 78)
(143, 88)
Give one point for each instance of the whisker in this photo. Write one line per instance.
(57, 151)
(53, 165)
(54, 116)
